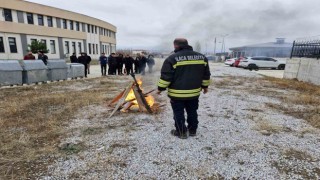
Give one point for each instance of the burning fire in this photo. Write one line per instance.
(131, 96)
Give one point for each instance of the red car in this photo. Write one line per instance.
(236, 63)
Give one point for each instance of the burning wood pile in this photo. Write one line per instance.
(133, 98)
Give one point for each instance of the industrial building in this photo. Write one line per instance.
(62, 31)
(279, 49)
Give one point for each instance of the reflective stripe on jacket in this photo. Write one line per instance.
(184, 73)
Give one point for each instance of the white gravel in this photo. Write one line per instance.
(228, 145)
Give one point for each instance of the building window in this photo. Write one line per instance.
(13, 45)
(40, 20)
(43, 41)
(49, 18)
(97, 49)
(80, 47)
(92, 29)
(74, 47)
(30, 18)
(93, 49)
(66, 45)
(53, 47)
(1, 45)
(71, 25)
(7, 14)
(95, 30)
(33, 40)
(64, 24)
(88, 25)
(89, 48)
(77, 26)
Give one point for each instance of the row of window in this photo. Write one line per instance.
(12, 45)
(73, 45)
(93, 48)
(73, 25)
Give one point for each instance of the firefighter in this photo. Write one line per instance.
(185, 73)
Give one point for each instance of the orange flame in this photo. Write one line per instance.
(150, 99)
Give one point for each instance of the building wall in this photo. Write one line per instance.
(19, 27)
(19, 54)
(303, 69)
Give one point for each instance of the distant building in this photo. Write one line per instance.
(272, 49)
(63, 32)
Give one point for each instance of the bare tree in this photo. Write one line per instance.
(197, 46)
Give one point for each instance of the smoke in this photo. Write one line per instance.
(154, 24)
(245, 21)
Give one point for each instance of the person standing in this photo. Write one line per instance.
(103, 63)
(136, 64)
(73, 58)
(120, 64)
(29, 56)
(39, 55)
(185, 73)
(44, 57)
(143, 64)
(128, 62)
(84, 60)
(112, 63)
(150, 63)
(88, 62)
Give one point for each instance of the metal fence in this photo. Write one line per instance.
(307, 47)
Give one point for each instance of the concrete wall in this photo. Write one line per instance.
(303, 69)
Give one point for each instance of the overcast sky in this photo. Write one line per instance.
(153, 24)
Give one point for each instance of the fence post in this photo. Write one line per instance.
(294, 42)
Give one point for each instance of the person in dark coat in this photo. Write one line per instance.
(44, 57)
(84, 60)
(136, 64)
(74, 58)
(88, 62)
(112, 63)
(120, 64)
(128, 62)
(150, 63)
(185, 74)
(143, 64)
(103, 63)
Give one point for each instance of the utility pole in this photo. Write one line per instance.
(215, 44)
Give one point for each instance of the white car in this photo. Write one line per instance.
(230, 62)
(262, 62)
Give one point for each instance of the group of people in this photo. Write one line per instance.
(84, 59)
(41, 56)
(119, 64)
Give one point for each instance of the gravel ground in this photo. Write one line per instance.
(232, 140)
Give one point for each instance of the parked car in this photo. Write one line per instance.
(237, 62)
(230, 62)
(262, 62)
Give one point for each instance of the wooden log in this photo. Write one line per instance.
(117, 98)
(142, 108)
(126, 107)
(122, 99)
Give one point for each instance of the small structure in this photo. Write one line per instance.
(279, 49)
(75, 70)
(57, 70)
(34, 72)
(10, 73)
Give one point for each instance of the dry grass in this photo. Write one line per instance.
(306, 95)
(32, 119)
(298, 99)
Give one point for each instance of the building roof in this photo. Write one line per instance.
(265, 45)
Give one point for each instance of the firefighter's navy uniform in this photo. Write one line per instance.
(185, 73)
